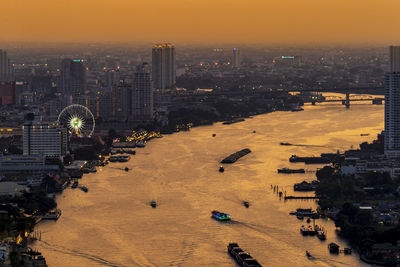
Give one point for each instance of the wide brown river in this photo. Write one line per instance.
(113, 224)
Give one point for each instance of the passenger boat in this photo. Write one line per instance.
(220, 216)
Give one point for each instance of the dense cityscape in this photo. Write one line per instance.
(198, 151)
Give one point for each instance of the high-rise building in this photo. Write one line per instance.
(392, 105)
(73, 80)
(163, 65)
(236, 58)
(142, 93)
(7, 93)
(6, 69)
(111, 79)
(47, 139)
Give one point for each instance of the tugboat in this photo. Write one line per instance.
(246, 204)
(220, 216)
(153, 203)
(126, 169)
(221, 169)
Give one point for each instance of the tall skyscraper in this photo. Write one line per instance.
(392, 105)
(73, 79)
(7, 93)
(163, 65)
(236, 58)
(6, 69)
(142, 93)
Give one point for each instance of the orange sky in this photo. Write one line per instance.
(201, 21)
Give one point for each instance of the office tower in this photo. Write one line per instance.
(142, 93)
(7, 93)
(392, 105)
(6, 69)
(47, 139)
(236, 58)
(73, 80)
(121, 102)
(163, 65)
(111, 79)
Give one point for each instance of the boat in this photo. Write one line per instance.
(235, 156)
(308, 254)
(233, 121)
(52, 215)
(308, 220)
(254, 131)
(126, 169)
(213, 135)
(285, 144)
(305, 186)
(321, 235)
(220, 216)
(347, 251)
(287, 170)
(311, 231)
(303, 230)
(153, 203)
(141, 144)
(221, 169)
(299, 216)
(364, 134)
(84, 189)
(75, 184)
(333, 248)
(246, 204)
(294, 109)
(310, 160)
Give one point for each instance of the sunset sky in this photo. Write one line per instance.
(201, 21)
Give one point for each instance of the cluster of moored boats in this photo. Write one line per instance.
(122, 158)
(305, 213)
(312, 231)
(287, 170)
(242, 257)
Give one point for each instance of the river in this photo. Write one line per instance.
(113, 224)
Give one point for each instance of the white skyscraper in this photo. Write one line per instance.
(392, 105)
(163, 66)
(6, 69)
(236, 58)
(142, 93)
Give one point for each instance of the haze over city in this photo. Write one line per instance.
(207, 21)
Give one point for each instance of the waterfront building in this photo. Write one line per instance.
(47, 139)
(73, 79)
(164, 66)
(142, 93)
(6, 69)
(392, 105)
(26, 164)
(236, 58)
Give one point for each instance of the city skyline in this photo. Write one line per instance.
(201, 21)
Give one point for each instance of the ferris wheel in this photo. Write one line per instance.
(78, 119)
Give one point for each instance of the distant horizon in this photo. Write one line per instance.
(199, 22)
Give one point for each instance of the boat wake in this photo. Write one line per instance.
(77, 253)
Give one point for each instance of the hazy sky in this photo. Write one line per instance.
(201, 21)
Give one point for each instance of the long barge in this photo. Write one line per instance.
(235, 156)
